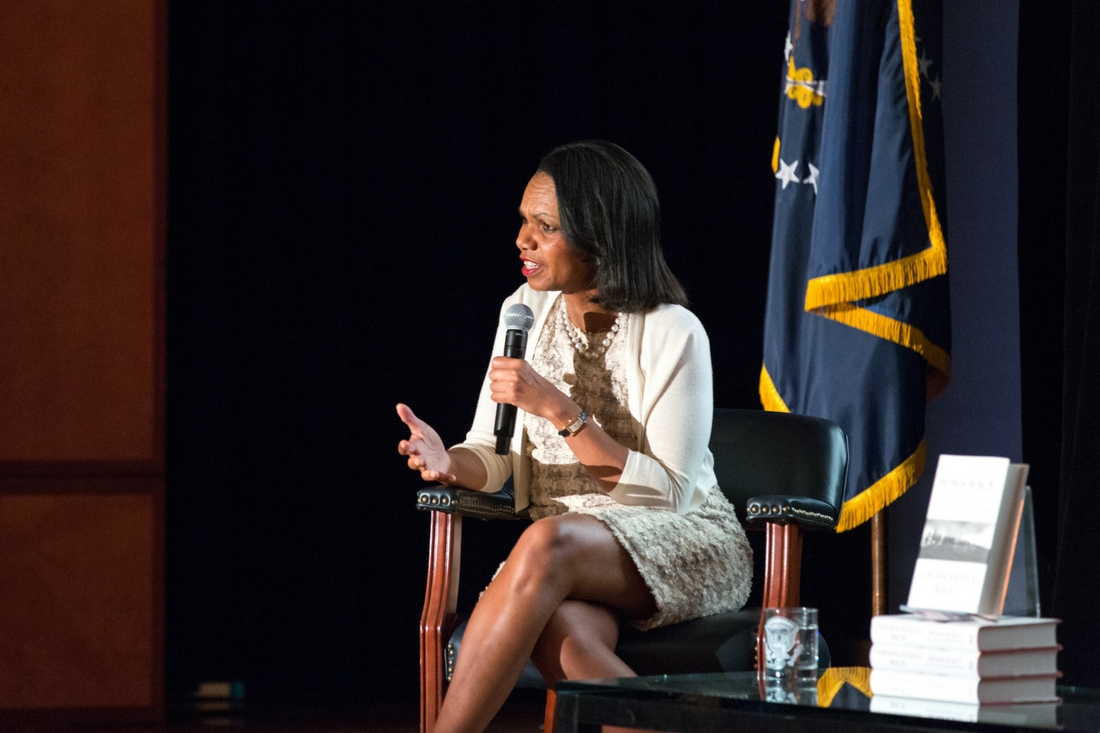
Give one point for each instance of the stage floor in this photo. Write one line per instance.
(522, 713)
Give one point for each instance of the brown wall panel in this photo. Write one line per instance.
(78, 616)
(82, 187)
(79, 230)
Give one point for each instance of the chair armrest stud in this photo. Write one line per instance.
(809, 513)
(451, 500)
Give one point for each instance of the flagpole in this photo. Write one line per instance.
(878, 563)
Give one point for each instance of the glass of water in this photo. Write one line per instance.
(790, 642)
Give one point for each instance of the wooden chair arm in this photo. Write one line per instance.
(447, 505)
(438, 617)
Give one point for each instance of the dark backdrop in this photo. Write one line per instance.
(1042, 133)
(342, 216)
(342, 194)
(1077, 584)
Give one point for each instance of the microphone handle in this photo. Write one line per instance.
(515, 346)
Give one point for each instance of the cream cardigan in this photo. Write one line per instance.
(670, 392)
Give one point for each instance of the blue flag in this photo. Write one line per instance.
(857, 326)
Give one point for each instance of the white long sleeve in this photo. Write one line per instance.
(670, 395)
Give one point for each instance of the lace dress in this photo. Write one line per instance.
(695, 564)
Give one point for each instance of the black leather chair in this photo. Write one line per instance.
(783, 472)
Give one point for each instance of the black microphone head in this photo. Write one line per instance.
(519, 316)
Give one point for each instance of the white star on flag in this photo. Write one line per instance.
(786, 173)
(788, 48)
(924, 62)
(936, 86)
(812, 178)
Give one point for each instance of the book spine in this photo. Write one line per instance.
(951, 662)
(929, 687)
(907, 631)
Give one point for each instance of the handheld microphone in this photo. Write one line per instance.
(519, 319)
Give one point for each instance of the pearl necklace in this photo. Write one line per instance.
(579, 339)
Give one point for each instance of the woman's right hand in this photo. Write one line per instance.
(424, 449)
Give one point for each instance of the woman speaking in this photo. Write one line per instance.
(615, 403)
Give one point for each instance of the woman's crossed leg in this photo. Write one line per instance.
(571, 557)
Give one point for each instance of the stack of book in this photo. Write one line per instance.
(971, 660)
(957, 648)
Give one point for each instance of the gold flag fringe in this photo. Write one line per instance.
(912, 92)
(844, 287)
(863, 506)
(769, 395)
(874, 281)
(893, 330)
(831, 296)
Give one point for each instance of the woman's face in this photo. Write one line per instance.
(548, 262)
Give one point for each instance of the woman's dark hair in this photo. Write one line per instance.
(609, 211)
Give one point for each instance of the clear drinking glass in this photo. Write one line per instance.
(790, 642)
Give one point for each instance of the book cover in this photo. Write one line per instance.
(968, 663)
(969, 535)
(954, 689)
(977, 634)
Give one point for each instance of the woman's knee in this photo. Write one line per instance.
(544, 551)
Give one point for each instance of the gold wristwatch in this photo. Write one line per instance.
(574, 427)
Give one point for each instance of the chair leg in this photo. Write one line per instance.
(437, 618)
(550, 718)
(782, 574)
(783, 565)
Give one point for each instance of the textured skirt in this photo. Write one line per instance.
(695, 564)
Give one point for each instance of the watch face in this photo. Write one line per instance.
(574, 427)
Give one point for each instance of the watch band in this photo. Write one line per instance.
(574, 427)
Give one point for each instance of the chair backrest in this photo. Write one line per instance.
(759, 453)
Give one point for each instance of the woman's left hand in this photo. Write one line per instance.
(515, 382)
